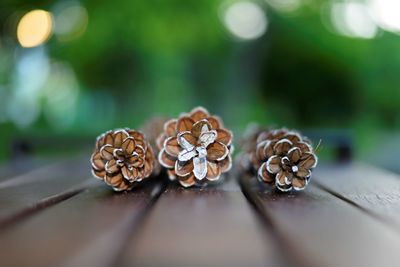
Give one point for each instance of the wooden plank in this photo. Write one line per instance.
(13, 168)
(375, 190)
(13, 177)
(202, 227)
(323, 230)
(86, 230)
(23, 195)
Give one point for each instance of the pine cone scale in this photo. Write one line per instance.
(111, 166)
(282, 147)
(264, 174)
(183, 168)
(200, 127)
(172, 146)
(140, 151)
(308, 161)
(215, 122)
(127, 146)
(96, 161)
(137, 163)
(107, 152)
(273, 164)
(186, 140)
(224, 136)
(199, 114)
(188, 180)
(105, 139)
(217, 151)
(120, 137)
(184, 124)
(213, 171)
(98, 174)
(303, 173)
(170, 127)
(166, 160)
(299, 184)
(294, 154)
(226, 164)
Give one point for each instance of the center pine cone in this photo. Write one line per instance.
(195, 148)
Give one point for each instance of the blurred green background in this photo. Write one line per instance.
(70, 70)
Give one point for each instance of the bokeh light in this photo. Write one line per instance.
(3, 103)
(245, 20)
(32, 70)
(353, 19)
(103, 62)
(386, 13)
(70, 20)
(60, 92)
(34, 28)
(285, 5)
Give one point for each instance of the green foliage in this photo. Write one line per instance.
(137, 59)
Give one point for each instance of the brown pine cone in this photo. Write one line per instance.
(248, 143)
(285, 158)
(152, 129)
(122, 158)
(195, 148)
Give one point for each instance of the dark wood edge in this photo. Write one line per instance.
(42, 204)
(294, 257)
(113, 242)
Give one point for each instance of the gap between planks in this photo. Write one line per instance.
(253, 199)
(213, 226)
(27, 194)
(42, 204)
(367, 211)
(372, 190)
(100, 253)
(55, 177)
(294, 257)
(31, 174)
(320, 229)
(89, 229)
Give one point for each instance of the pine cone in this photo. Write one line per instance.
(195, 148)
(121, 158)
(152, 129)
(248, 143)
(285, 158)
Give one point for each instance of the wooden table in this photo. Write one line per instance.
(57, 215)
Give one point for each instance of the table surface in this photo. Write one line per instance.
(56, 214)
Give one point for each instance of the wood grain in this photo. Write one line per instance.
(202, 227)
(340, 220)
(86, 230)
(14, 168)
(28, 192)
(323, 230)
(373, 189)
(17, 176)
